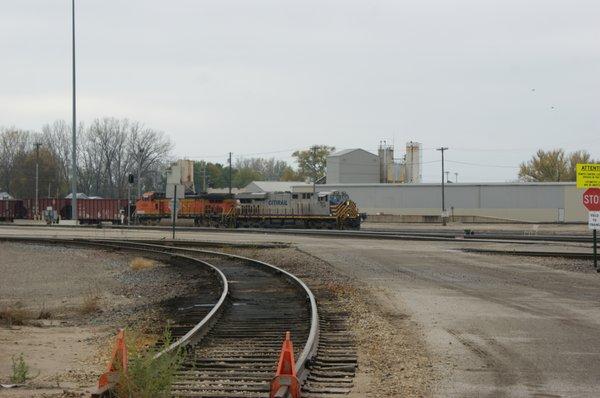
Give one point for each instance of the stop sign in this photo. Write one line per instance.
(591, 199)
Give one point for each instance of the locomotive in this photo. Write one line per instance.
(321, 210)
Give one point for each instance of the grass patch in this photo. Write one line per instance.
(14, 314)
(149, 377)
(140, 263)
(20, 370)
(90, 305)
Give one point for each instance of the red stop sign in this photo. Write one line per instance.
(591, 199)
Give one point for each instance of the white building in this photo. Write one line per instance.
(533, 202)
(353, 166)
(272, 186)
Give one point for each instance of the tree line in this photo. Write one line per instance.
(311, 163)
(553, 165)
(108, 150)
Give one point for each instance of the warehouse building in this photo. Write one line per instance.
(353, 166)
(357, 166)
(273, 186)
(484, 202)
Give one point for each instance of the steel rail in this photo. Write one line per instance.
(531, 253)
(457, 236)
(312, 342)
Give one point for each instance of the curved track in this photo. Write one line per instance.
(233, 345)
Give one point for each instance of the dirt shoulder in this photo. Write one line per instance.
(60, 308)
(392, 359)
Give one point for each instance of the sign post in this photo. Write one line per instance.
(591, 200)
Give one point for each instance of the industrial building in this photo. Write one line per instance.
(520, 202)
(273, 186)
(357, 166)
(353, 166)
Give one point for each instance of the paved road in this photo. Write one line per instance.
(496, 326)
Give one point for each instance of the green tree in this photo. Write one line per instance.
(245, 176)
(554, 165)
(577, 157)
(312, 162)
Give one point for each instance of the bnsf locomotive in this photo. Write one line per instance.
(330, 210)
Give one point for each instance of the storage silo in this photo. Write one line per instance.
(414, 162)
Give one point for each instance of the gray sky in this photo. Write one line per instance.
(274, 76)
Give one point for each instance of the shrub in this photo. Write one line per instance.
(20, 370)
(90, 305)
(14, 314)
(147, 376)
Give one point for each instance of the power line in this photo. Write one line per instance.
(482, 165)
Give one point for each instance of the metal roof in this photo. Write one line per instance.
(347, 151)
(275, 186)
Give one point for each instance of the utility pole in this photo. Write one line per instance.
(139, 173)
(442, 149)
(174, 208)
(230, 173)
(455, 177)
(204, 179)
(37, 175)
(314, 155)
(74, 150)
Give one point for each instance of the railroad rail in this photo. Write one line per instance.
(532, 253)
(232, 347)
(395, 234)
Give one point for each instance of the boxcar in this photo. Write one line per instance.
(89, 211)
(11, 209)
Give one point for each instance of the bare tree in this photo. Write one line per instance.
(14, 143)
(150, 153)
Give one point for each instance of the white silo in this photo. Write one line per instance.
(414, 162)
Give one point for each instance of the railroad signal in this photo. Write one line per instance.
(591, 199)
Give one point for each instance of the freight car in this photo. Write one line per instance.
(89, 211)
(11, 209)
(331, 210)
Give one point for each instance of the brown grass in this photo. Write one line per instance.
(139, 263)
(14, 314)
(90, 305)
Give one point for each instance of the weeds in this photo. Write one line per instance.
(147, 376)
(14, 315)
(44, 313)
(90, 305)
(20, 370)
(139, 263)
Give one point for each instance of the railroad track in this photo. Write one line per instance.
(452, 235)
(532, 253)
(232, 346)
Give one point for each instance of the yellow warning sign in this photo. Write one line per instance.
(588, 175)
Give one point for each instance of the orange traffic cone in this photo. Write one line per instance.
(285, 378)
(118, 363)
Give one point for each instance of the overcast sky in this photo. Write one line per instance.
(492, 80)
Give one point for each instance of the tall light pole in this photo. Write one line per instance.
(37, 175)
(314, 159)
(74, 129)
(455, 177)
(442, 149)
